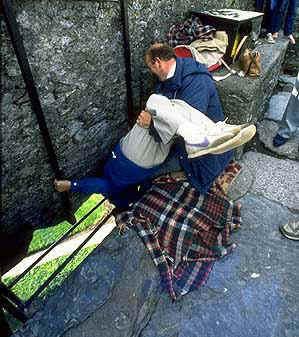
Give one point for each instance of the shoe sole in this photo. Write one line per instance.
(244, 136)
(284, 233)
(235, 130)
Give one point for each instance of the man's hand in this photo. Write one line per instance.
(144, 119)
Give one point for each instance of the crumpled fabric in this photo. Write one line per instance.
(190, 30)
(185, 232)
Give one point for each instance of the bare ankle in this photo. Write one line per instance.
(62, 185)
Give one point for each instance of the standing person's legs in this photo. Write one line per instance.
(271, 19)
(290, 120)
(279, 10)
(289, 21)
(269, 12)
(259, 5)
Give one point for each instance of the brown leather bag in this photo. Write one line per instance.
(250, 63)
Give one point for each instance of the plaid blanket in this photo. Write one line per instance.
(190, 30)
(185, 232)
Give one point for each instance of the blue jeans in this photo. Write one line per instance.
(290, 120)
(268, 11)
(287, 9)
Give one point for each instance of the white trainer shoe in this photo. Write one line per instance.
(206, 144)
(235, 129)
(223, 145)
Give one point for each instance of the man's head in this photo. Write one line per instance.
(159, 58)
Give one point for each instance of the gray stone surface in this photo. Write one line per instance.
(242, 183)
(287, 79)
(246, 99)
(275, 179)
(267, 130)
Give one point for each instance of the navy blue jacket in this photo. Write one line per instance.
(193, 83)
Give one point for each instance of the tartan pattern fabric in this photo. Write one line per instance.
(185, 232)
(190, 30)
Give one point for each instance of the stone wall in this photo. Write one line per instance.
(75, 50)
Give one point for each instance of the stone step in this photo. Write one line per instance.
(270, 177)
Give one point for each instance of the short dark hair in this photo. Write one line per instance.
(160, 50)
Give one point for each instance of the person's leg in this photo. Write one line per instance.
(177, 118)
(271, 18)
(200, 133)
(259, 5)
(289, 21)
(85, 185)
(171, 164)
(290, 121)
(279, 10)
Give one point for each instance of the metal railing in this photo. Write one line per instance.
(14, 305)
(8, 300)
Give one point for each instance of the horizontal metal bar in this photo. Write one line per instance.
(54, 245)
(6, 292)
(13, 310)
(67, 260)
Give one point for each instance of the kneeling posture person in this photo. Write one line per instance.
(139, 154)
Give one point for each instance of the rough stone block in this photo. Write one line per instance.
(275, 179)
(245, 99)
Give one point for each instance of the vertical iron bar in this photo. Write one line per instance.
(66, 261)
(127, 57)
(5, 330)
(21, 55)
(17, 279)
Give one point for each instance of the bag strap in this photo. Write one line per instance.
(253, 60)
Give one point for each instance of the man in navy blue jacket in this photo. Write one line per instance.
(190, 81)
(180, 81)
